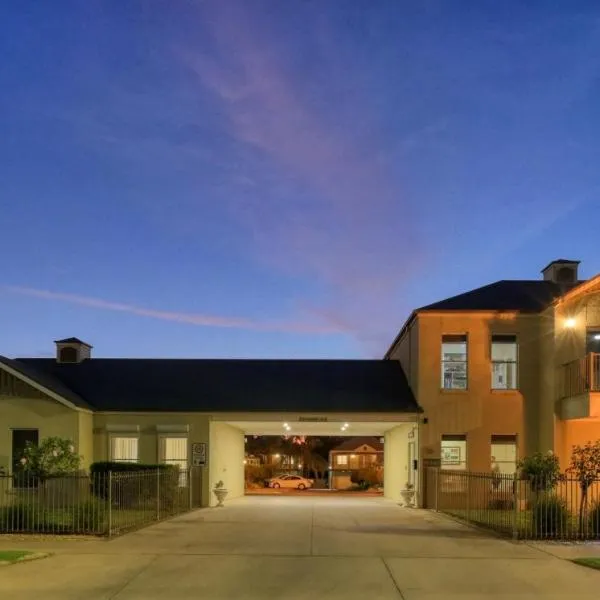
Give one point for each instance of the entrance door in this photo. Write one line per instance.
(20, 437)
(411, 463)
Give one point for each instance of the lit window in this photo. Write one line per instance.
(454, 452)
(454, 362)
(174, 451)
(504, 454)
(504, 362)
(342, 459)
(124, 449)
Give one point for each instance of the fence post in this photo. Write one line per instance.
(158, 494)
(109, 501)
(515, 512)
(468, 476)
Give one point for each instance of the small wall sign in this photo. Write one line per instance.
(198, 454)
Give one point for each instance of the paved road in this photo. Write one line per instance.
(298, 548)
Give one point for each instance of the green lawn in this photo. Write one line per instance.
(12, 555)
(591, 561)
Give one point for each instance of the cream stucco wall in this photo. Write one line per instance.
(49, 416)
(395, 460)
(85, 441)
(147, 428)
(226, 459)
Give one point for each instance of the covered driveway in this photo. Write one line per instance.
(298, 548)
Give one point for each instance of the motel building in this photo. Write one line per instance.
(476, 380)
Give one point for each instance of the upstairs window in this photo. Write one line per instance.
(504, 355)
(454, 362)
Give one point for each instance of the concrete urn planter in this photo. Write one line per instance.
(408, 497)
(220, 493)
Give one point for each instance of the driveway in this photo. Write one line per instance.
(298, 548)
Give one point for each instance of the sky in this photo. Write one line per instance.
(226, 178)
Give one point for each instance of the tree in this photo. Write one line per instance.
(541, 470)
(53, 457)
(585, 466)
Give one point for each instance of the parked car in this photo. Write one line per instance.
(290, 481)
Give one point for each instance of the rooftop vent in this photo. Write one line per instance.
(72, 350)
(561, 271)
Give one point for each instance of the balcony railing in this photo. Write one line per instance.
(580, 376)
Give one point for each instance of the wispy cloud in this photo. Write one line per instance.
(342, 217)
(201, 320)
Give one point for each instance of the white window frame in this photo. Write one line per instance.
(453, 338)
(504, 362)
(111, 447)
(341, 460)
(183, 468)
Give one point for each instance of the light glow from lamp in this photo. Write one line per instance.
(570, 322)
(597, 336)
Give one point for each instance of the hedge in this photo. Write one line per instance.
(136, 485)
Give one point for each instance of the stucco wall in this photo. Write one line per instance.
(146, 425)
(478, 412)
(48, 416)
(226, 459)
(395, 453)
(85, 443)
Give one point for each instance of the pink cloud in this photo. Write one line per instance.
(201, 320)
(354, 231)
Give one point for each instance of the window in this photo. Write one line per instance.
(454, 362)
(592, 341)
(174, 451)
(454, 452)
(504, 362)
(68, 354)
(504, 454)
(20, 439)
(342, 459)
(124, 449)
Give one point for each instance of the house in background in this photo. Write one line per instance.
(353, 455)
(506, 370)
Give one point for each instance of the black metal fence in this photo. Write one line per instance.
(99, 504)
(520, 508)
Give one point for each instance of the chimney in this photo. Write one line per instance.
(562, 271)
(72, 350)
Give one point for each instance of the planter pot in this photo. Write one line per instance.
(221, 494)
(408, 497)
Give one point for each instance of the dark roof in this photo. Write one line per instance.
(522, 295)
(72, 340)
(561, 261)
(46, 380)
(233, 385)
(356, 442)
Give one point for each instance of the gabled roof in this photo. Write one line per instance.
(72, 340)
(518, 295)
(46, 380)
(213, 385)
(356, 442)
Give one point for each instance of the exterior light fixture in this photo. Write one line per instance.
(346, 425)
(276, 455)
(286, 425)
(570, 322)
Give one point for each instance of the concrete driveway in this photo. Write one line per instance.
(298, 548)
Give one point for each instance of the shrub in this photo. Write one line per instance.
(594, 519)
(19, 517)
(541, 470)
(52, 457)
(135, 485)
(550, 516)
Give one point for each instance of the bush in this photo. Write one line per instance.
(135, 485)
(366, 478)
(550, 516)
(541, 470)
(19, 517)
(594, 519)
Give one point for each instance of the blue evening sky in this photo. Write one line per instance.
(285, 178)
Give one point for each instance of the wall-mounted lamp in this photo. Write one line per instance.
(570, 323)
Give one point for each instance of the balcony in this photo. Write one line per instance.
(579, 388)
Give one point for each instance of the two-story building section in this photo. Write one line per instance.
(506, 370)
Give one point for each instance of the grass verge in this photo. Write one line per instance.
(593, 562)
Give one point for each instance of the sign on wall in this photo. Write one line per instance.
(199, 454)
(451, 455)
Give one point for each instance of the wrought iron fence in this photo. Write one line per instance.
(516, 507)
(99, 504)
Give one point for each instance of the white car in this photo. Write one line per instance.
(290, 481)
